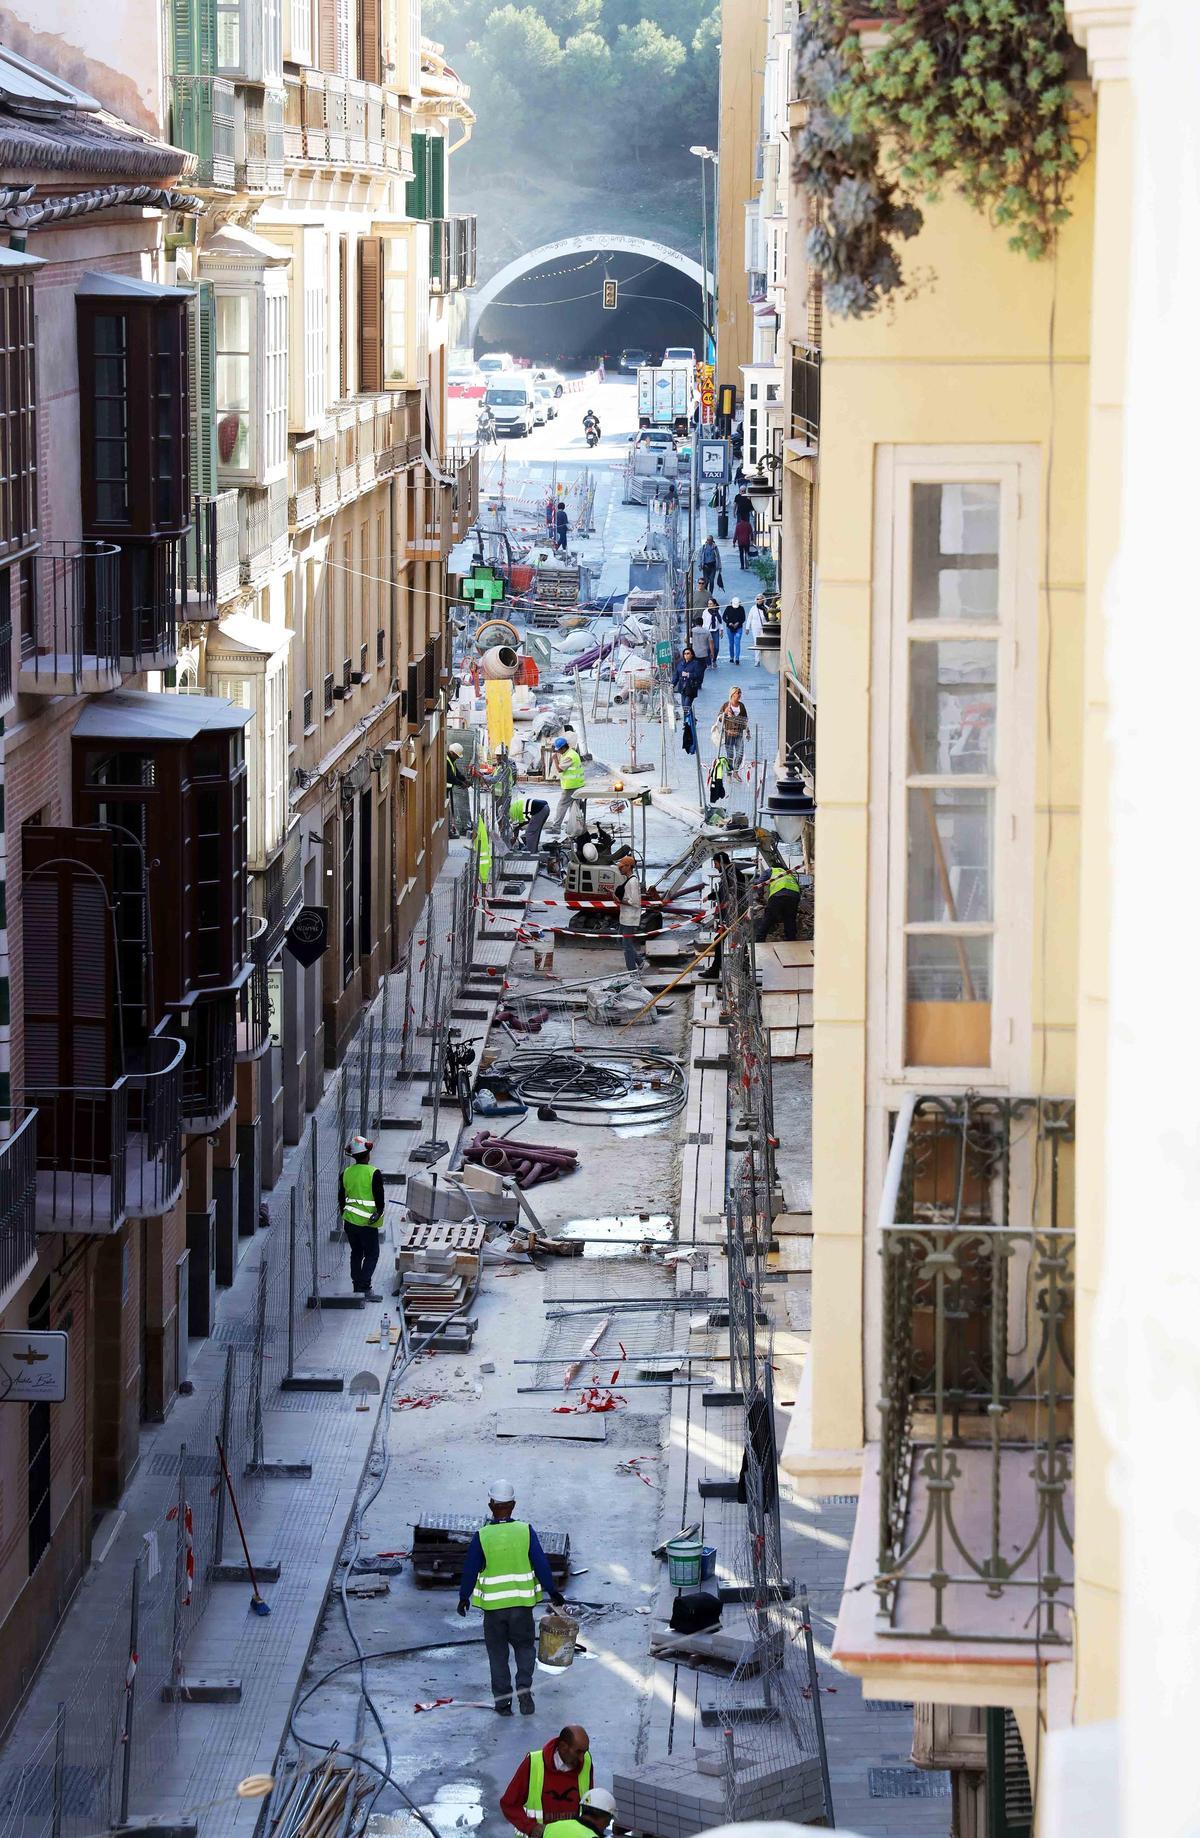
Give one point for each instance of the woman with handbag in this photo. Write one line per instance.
(733, 722)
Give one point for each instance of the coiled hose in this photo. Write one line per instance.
(600, 1086)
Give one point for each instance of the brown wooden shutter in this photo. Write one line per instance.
(370, 312)
(67, 950)
(370, 42)
(327, 35)
(344, 312)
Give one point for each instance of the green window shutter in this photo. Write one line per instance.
(418, 185)
(437, 176)
(202, 370)
(194, 37)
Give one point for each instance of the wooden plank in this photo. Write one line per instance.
(576, 1427)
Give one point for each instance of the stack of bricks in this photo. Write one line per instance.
(671, 1799)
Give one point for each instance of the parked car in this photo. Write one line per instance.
(513, 405)
(554, 378)
(493, 363)
(541, 413)
(545, 394)
(632, 358)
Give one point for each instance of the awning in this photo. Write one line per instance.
(142, 714)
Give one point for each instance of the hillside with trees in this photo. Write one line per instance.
(586, 110)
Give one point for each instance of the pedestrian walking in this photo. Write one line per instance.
(701, 641)
(710, 564)
(688, 676)
(743, 506)
(458, 786)
(734, 724)
(781, 905)
(570, 779)
(743, 538)
(629, 919)
(714, 630)
(734, 617)
(562, 525)
(504, 1573)
(551, 509)
(360, 1203)
(549, 1783)
(528, 817)
(597, 1810)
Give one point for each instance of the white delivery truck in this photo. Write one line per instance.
(665, 395)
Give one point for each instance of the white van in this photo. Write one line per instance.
(493, 362)
(513, 403)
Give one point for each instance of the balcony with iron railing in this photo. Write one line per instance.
(200, 594)
(262, 531)
(18, 1187)
(327, 468)
(277, 891)
(153, 595)
(71, 620)
(202, 122)
(154, 1151)
(108, 1153)
(209, 1067)
(253, 1001)
(965, 1522)
(806, 394)
(302, 482)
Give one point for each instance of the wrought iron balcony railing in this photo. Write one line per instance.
(154, 1157)
(81, 1156)
(977, 1375)
(806, 394)
(18, 1185)
(253, 1001)
(71, 620)
(209, 1067)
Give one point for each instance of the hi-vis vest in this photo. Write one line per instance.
(507, 1579)
(568, 1828)
(483, 851)
(782, 881)
(358, 1180)
(517, 812)
(537, 1781)
(570, 776)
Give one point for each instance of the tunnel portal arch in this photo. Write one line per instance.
(483, 296)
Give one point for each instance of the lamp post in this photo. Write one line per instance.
(703, 154)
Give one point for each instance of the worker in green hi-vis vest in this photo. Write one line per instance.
(360, 1202)
(504, 1574)
(597, 1810)
(549, 1782)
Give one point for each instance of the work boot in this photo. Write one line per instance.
(504, 1707)
(525, 1700)
(372, 1295)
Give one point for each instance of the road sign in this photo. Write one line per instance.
(662, 651)
(704, 377)
(309, 934)
(609, 301)
(713, 461)
(33, 1367)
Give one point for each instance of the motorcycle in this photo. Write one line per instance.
(591, 430)
(485, 430)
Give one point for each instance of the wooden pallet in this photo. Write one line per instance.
(442, 1236)
(440, 1543)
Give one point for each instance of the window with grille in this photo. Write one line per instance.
(18, 423)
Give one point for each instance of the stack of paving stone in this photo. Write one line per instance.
(670, 1799)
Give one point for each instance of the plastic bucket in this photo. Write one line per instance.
(557, 1635)
(685, 1562)
(708, 1562)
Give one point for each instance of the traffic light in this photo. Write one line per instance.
(726, 402)
(610, 296)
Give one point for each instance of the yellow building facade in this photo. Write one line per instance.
(952, 508)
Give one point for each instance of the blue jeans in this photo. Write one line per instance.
(632, 947)
(735, 644)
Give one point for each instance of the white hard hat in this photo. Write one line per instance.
(590, 852)
(358, 1145)
(502, 1492)
(598, 1799)
(455, 747)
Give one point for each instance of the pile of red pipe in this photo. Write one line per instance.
(529, 1163)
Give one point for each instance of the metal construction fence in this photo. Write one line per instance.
(74, 1768)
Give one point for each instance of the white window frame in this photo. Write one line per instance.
(268, 411)
(1017, 470)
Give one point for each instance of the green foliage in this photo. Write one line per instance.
(970, 92)
(764, 567)
(597, 90)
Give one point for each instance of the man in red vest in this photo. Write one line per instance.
(549, 1783)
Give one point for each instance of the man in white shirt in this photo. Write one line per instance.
(630, 916)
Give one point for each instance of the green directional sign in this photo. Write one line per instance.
(483, 588)
(663, 651)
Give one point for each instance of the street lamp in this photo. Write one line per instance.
(702, 154)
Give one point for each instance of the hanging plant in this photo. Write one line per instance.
(971, 92)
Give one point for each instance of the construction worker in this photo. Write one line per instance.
(597, 1810)
(550, 1783)
(570, 778)
(458, 786)
(360, 1202)
(504, 1573)
(528, 818)
(781, 905)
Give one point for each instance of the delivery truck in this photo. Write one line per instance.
(665, 396)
